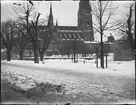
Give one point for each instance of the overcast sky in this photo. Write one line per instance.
(64, 11)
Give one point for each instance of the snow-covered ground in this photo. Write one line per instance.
(117, 79)
(121, 67)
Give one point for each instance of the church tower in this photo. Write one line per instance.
(85, 20)
(50, 19)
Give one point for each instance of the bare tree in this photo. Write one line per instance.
(29, 48)
(34, 37)
(20, 41)
(127, 26)
(43, 42)
(25, 12)
(103, 12)
(46, 35)
(8, 33)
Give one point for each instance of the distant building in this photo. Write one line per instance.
(85, 20)
(69, 38)
(108, 47)
(122, 51)
(111, 39)
(64, 39)
(66, 36)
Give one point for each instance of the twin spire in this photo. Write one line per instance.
(51, 9)
(50, 19)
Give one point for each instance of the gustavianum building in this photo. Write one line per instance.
(69, 38)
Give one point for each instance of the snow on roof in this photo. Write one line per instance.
(90, 42)
(70, 36)
(96, 42)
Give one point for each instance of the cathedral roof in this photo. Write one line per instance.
(67, 32)
(67, 27)
(62, 28)
(70, 35)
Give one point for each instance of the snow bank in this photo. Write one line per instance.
(16, 73)
(114, 67)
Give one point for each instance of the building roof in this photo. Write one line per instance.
(67, 28)
(70, 35)
(61, 27)
(67, 32)
(90, 42)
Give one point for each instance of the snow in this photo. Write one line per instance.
(90, 42)
(26, 74)
(114, 67)
(126, 68)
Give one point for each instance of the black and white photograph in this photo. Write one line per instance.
(67, 52)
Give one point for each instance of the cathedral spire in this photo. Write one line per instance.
(56, 22)
(51, 9)
(50, 19)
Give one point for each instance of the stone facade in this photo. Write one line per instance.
(85, 20)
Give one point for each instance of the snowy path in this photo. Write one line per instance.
(93, 86)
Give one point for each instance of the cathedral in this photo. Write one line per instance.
(69, 38)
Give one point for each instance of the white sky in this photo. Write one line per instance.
(64, 11)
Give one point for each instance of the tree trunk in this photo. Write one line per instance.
(30, 53)
(74, 51)
(74, 57)
(82, 54)
(101, 33)
(35, 53)
(130, 36)
(102, 55)
(8, 55)
(21, 55)
(68, 54)
(62, 54)
(41, 56)
(131, 42)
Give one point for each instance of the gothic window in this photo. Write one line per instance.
(72, 36)
(79, 36)
(76, 36)
(65, 36)
(69, 35)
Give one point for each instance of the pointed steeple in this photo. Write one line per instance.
(51, 9)
(56, 23)
(50, 19)
(56, 26)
